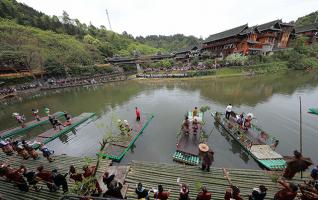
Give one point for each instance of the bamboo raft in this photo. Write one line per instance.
(258, 150)
(151, 174)
(62, 163)
(29, 125)
(116, 151)
(51, 134)
(187, 148)
(313, 111)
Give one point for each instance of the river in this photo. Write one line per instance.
(274, 100)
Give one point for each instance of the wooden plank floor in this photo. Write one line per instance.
(152, 174)
(62, 163)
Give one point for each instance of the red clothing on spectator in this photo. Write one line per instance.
(161, 195)
(45, 175)
(204, 196)
(285, 194)
(89, 171)
(228, 195)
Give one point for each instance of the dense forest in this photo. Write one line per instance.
(171, 43)
(38, 41)
(307, 19)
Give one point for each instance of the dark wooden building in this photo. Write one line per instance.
(187, 54)
(273, 35)
(224, 43)
(246, 40)
(310, 31)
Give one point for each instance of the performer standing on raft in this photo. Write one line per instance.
(137, 114)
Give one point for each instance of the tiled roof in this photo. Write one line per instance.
(310, 27)
(273, 25)
(226, 34)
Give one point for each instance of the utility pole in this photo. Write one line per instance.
(110, 26)
(300, 132)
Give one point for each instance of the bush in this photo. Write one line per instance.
(236, 59)
(53, 68)
(208, 62)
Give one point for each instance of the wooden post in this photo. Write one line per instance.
(300, 133)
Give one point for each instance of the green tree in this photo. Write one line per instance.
(195, 61)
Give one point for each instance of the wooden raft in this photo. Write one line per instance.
(151, 174)
(29, 125)
(51, 134)
(187, 148)
(62, 163)
(116, 151)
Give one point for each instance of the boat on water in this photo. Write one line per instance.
(187, 147)
(256, 142)
(313, 111)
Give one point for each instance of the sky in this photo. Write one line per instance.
(200, 18)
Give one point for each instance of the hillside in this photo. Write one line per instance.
(169, 43)
(107, 42)
(307, 19)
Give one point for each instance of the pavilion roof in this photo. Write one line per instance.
(273, 25)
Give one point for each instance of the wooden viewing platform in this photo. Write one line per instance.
(51, 134)
(62, 163)
(151, 174)
(29, 125)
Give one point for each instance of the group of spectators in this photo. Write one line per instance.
(11, 90)
(177, 68)
(7, 90)
(84, 80)
(288, 192)
(25, 149)
(63, 82)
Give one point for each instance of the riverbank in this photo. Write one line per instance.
(234, 71)
(19, 94)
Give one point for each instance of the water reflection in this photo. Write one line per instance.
(244, 90)
(235, 147)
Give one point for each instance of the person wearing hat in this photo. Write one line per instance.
(204, 194)
(121, 126)
(233, 192)
(6, 146)
(228, 111)
(207, 157)
(127, 127)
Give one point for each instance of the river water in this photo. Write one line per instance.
(274, 100)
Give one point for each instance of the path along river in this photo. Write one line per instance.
(274, 100)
